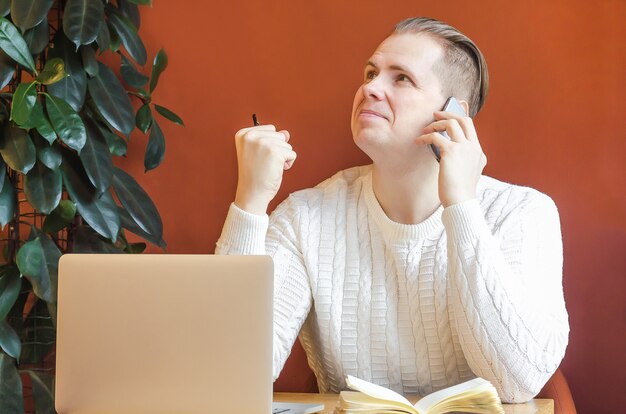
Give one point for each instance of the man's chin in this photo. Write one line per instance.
(365, 140)
(371, 143)
(364, 135)
(377, 146)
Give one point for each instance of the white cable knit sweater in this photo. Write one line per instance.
(474, 290)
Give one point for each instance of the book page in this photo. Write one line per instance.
(460, 396)
(376, 391)
(359, 402)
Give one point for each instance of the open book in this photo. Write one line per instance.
(474, 396)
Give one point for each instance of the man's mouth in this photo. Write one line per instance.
(369, 112)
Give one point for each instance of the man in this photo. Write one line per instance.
(409, 273)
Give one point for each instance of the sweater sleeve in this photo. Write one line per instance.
(277, 236)
(507, 294)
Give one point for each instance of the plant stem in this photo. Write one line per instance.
(14, 228)
(140, 96)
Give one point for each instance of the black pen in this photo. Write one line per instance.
(254, 120)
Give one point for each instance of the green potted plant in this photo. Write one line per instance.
(64, 116)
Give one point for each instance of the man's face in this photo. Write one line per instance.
(398, 96)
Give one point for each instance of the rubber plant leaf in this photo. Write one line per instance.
(96, 157)
(43, 188)
(99, 211)
(17, 149)
(82, 20)
(73, 88)
(14, 45)
(111, 100)
(155, 151)
(66, 123)
(29, 13)
(11, 397)
(138, 204)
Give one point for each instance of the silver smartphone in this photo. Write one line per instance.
(452, 105)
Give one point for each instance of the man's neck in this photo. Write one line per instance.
(406, 195)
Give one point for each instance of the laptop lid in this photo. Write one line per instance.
(164, 334)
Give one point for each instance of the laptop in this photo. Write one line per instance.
(165, 334)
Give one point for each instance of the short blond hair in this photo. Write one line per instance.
(463, 69)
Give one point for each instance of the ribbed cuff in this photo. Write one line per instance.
(243, 232)
(465, 222)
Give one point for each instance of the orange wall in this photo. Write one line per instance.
(553, 120)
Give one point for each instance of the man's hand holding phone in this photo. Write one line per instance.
(462, 158)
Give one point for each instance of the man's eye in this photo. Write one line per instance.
(404, 78)
(370, 75)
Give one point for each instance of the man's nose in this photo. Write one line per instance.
(374, 88)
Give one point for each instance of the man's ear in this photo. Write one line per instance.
(465, 106)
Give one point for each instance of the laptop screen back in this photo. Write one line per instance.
(164, 334)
